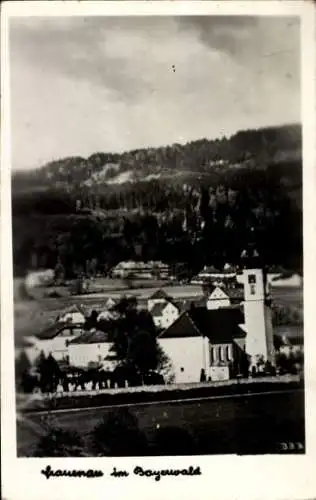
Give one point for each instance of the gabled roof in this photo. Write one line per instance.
(219, 325)
(217, 290)
(181, 328)
(55, 329)
(158, 309)
(93, 336)
(159, 294)
(111, 301)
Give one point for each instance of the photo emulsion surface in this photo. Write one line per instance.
(157, 235)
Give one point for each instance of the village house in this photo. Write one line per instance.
(217, 298)
(105, 315)
(92, 347)
(111, 302)
(55, 340)
(291, 346)
(158, 297)
(214, 275)
(141, 270)
(73, 314)
(107, 311)
(164, 314)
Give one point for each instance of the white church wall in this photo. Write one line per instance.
(219, 373)
(188, 356)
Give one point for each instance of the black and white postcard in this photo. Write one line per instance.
(158, 243)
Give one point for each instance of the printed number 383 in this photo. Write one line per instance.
(290, 446)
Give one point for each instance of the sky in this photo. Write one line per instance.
(86, 85)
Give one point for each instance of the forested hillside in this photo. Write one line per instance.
(193, 203)
(254, 148)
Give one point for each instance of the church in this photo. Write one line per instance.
(224, 342)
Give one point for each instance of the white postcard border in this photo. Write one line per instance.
(253, 477)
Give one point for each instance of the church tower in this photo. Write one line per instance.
(257, 310)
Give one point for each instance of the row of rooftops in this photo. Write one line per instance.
(220, 325)
(194, 320)
(188, 324)
(159, 294)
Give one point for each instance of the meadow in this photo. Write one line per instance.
(271, 422)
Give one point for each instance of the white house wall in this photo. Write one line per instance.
(74, 317)
(169, 314)
(57, 346)
(83, 354)
(189, 353)
(217, 303)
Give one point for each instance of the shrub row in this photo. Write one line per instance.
(120, 398)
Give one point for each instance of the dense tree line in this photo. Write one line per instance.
(201, 217)
(212, 227)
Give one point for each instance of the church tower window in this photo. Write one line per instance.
(252, 283)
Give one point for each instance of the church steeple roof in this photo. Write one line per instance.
(250, 257)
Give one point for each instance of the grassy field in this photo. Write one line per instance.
(247, 424)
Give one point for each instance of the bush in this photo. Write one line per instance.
(283, 316)
(118, 434)
(58, 442)
(174, 441)
(53, 294)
